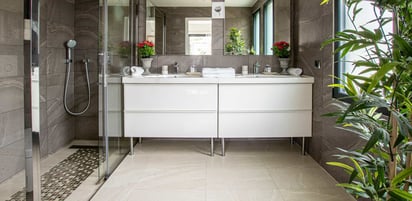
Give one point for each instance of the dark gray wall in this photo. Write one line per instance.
(86, 33)
(314, 25)
(57, 26)
(11, 88)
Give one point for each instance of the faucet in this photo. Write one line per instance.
(176, 65)
(256, 68)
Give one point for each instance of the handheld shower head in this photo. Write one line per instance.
(71, 43)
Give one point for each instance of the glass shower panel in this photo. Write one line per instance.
(115, 48)
(19, 101)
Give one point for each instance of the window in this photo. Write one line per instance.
(256, 32)
(268, 27)
(343, 21)
(198, 36)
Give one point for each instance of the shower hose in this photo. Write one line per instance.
(86, 62)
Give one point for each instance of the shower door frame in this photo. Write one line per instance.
(104, 57)
(31, 122)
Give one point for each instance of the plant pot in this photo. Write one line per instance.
(146, 63)
(284, 64)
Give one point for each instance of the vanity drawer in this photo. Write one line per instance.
(260, 97)
(265, 125)
(177, 124)
(168, 97)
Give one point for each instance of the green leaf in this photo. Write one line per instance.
(324, 2)
(380, 74)
(359, 169)
(401, 176)
(341, 165)
(351, 186)
(401, 193)
(376, 135)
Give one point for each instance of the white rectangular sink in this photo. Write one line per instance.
(169, 76)
(261, 76)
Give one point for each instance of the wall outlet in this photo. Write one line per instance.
(317, 64)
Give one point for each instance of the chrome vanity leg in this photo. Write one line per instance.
(303, 146)
(131, 146)
(140, 140)
(211, 147)
(223, 146)
(291, 140)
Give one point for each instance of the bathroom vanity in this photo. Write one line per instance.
(253, 106)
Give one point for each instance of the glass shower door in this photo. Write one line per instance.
(115, 54)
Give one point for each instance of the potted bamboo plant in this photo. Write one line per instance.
(380, 103)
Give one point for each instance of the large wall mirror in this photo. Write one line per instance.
(184, 27)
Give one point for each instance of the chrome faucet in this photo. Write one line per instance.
(176, 65)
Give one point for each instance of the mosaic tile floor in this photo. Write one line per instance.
(60, 181)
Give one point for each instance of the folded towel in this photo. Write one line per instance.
(218, 72)
(295, 71)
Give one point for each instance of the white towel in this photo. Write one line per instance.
(218, 72)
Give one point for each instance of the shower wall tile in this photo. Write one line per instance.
(12, 6)
(61, 12)
(14, 155)
(59, 135)
(86, 13)
(11, 60)
(87, 127)
(11, 127)
(87, 37)
(11, 91)
(11, 31)
(86, 34)
(55, 59)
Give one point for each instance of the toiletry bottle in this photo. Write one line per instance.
(256, 66)
(268, 69)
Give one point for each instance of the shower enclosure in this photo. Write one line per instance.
(116, 51)
(44, 68)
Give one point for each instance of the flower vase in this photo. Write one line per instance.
(147, 63)
(284, 64)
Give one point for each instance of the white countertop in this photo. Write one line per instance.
(248, 79)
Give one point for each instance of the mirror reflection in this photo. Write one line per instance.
(185, 27)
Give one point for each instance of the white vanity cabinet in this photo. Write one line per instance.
(247, 107)
(170, 110)
(265, 110)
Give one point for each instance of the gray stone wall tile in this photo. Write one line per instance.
(11, 127)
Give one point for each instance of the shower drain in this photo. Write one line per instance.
(61, 180)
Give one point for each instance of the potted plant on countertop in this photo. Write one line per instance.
(282, 50)
(146, 50)
(380, 103)
(236, 44)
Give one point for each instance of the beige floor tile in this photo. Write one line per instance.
(324, 194)
(301, 178)
(166, 195)
(181, 178)
(251, 171)
(239, 178)
(244, 195)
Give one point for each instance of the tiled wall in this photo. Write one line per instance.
(86, 34)
(57, 23)
(11, 88)
(315, 25)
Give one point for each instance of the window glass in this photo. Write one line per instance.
(198, 36)
(268, 28)
(345, 20)
(256, 32)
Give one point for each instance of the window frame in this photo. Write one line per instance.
(339, 21)
(256, 29)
